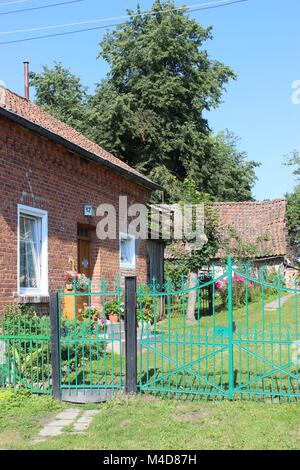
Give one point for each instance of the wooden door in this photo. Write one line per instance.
(156, 250)
(84, 251)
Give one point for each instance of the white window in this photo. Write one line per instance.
(127, 251)
(32, 251)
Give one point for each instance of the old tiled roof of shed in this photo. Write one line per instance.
(255, 223)
(17, 106)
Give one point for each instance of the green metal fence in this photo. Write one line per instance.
(91, 347)
(246, 346)
(240, 341)
(25, 360)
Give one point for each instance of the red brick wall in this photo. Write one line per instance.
(39, 173)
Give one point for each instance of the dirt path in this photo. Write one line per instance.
(274, 305)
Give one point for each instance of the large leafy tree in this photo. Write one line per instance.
(61, 94)
(150, 109)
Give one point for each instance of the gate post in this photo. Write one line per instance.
(130, 335)
(230, 332)
(55, 349)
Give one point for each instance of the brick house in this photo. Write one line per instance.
(50, 173)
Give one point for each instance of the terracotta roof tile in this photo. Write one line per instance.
(251, 221)
(34, 114)
(256, 223)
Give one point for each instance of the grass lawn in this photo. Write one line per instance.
(154, 424)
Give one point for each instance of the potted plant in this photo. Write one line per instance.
(145, 316)
(80, 281)
(74, 304)
(112, 309)
(145, 312)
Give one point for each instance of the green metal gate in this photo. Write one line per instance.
(91, 348)
(267, 350)
(246, 345)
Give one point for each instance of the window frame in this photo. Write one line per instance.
(43, 290)
(127, 236)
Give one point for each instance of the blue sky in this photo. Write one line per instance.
(258, 39)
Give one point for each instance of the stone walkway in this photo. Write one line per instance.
(71, 417)
(274, 305)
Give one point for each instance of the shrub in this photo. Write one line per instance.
(27, 360)
(239, 291)
(146, 307)
(76, 348)
(17, 311)
(91, 313)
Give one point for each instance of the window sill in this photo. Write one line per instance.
(33, 298)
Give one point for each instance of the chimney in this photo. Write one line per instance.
(26, 79)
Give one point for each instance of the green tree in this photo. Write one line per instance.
(293, 202)
(188, 261)
(149, 111)
(293, 159)
(61, 93)
(293, 216)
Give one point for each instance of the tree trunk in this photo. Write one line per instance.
(191, 305)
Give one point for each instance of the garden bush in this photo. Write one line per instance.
(27, 349)
(147, 304)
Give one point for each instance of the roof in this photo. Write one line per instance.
(262, 224)
(29, 115)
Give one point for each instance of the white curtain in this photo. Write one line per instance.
(126, 251)
(30, 252)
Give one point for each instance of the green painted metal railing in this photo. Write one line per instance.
(25, 354)
(91, 348)
(246, 346)
(241, 342)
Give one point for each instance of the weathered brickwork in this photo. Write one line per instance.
(39, 173)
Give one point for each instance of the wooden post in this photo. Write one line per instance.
(55, 349)
(130, 335)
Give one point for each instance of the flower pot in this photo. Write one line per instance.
(113, 318)
(69, 287)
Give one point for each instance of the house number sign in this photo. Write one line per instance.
(88, 210)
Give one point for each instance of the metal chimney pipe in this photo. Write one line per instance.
(26, 79)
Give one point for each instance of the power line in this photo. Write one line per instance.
(40, 8)
(13, 3)
(200, 6)
(192, 9)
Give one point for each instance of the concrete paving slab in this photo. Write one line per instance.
(50, 431)
(71, 413)
(60, 423)
(81, 426)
